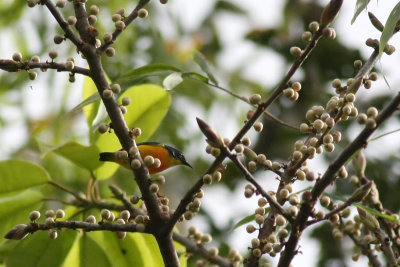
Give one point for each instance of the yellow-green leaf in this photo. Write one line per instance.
(17, 174)
(83, 156)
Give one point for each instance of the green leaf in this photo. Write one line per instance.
(39, 250)
(15, 208)
(247, 219)
(86, 253)
(195, 75)
(17, 174)
(149, 105)
(172, 80)
(149, 69)
(360, 6)
(89, 90)
(377, 213)
(84, 156)
(89, 100)
(389, 28)
(201, 61)
(136, 249)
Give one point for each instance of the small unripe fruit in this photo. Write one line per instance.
(248, 192)
(69, 65)
(304, 128)
(107, 94)
(262, 202)
(259, 219)
(94, 10)
(61, 3)
(53, 234)
(71, 20)
(255, 99)
(49, 213)
(126, 101)
(136, 132)
(92, 19)
(373, 76)
(34, 215)
(110, 52)
(58, 39)
(120, 25)
(293, 210)
(288, 92)
(284, 193)
(107, 37)
(258, 126)
(372, 112)
(306, 36)
(280, 220)
(370, 123)
(135, 164)
(301, 175)
(17, 57)
(246, 141)
(313, 26)
(32, 75)
(325, 201)
(60, 214)
(295, 51)
(53, 54)
(103, 128)
(123, 109)
(35, 59)
(154, 188)
(148, 160)
(239, 148)
(207, 179)
(250, 228)
(49, 221)
(116, 17)
(91, 219)
(213, 252)
(206, 238)
(255, 242)
(116, 88)
(260, 211)
(142, 13)
(32, 3)
(252, 166)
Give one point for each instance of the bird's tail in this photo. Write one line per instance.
(107, 156)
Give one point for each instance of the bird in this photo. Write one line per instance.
(168, 156)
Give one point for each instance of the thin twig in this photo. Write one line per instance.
(69, 33)
(128, 20)
(249, 177)
(14, 66)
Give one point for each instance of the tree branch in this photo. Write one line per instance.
(14, 66)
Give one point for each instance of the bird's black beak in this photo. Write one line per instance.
(184, 162)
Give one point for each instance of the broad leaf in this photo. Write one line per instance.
(135, 250)
(360, 6)
(39, 250)
(92, 106)
(149, 104)
(87, 253)
(17, 174)
(84, 156)
(389, 28)
(15, 208)
(149, 69)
